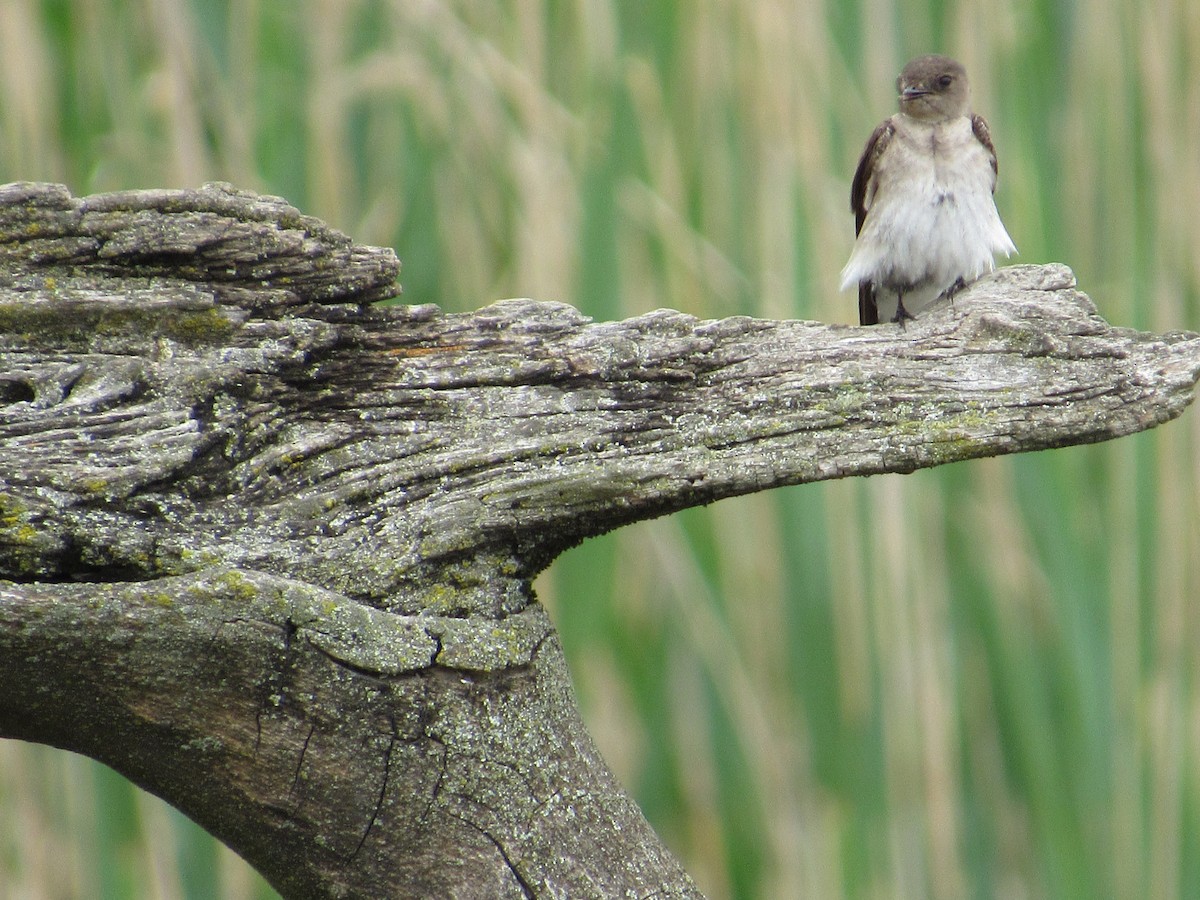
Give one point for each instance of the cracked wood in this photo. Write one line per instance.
(268, 545)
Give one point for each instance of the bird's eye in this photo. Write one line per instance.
(945, 80)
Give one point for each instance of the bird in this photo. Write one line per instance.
(925, 217)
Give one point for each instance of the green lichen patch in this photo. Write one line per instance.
(82, 324)
(24, 547)
(480, 645)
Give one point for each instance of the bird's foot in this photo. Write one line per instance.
(902, 315)
(950, 292)
(958, 285)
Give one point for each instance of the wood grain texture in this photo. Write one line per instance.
(268, 545)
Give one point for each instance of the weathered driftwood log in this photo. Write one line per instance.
(268, 547)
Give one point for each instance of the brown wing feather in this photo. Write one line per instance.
(983, 134)
(876, 144)
(868, 309)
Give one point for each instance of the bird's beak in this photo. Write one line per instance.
(912, 93)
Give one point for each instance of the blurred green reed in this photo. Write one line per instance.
(977, 681)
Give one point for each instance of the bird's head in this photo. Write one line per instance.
(933, 89)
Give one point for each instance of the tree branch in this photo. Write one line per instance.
(269, 545)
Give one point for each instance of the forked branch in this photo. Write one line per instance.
(269, 544)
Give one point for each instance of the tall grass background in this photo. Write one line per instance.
(976, 681)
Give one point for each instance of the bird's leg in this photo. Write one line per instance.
(902, 314)
(949, 292)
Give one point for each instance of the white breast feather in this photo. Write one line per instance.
(930, 216)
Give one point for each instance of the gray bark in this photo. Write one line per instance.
(268, 547)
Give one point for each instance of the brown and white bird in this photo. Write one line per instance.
(924, 214)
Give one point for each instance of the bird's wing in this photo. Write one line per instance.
(868, 309)
(979, 125)
(861, 184)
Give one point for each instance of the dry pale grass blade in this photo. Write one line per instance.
(49, 822)
(720, 649)
(30, 140)
(506, 164)
(158, 859)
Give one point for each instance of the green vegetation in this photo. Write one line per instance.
(975, 681)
